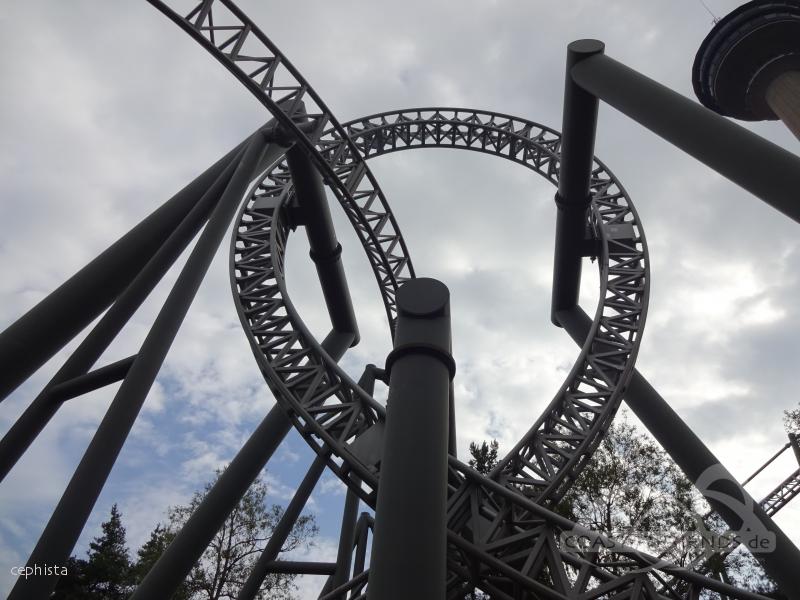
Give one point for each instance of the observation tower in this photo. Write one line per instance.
(748, 67)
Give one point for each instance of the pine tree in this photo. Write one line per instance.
(73, 585)
(148, 554)
(484, 457)
(108, 570)
(791, 420)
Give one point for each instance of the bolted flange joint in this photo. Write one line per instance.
(423, 323)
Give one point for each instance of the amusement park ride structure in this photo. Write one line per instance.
(437, 528)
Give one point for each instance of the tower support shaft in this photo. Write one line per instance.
(326, 252)
(409, 547)
(783, 97)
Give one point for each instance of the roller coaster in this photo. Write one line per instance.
(498, 533)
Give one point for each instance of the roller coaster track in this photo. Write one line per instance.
(233, 39)
(497, 535)
(502, 537)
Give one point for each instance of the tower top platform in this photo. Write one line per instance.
(744, 52)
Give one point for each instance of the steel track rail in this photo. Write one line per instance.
(234, 40)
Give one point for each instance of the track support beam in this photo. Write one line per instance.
(762, 168)
(94, 380)
(174, 565)
(572, 198)
(35, 337)
(267, 561)
(326, 252)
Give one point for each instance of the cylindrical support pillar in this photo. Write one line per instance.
(452, 439)
(783, 97)
(572, 198)
(347, 535)
(724, 494)
(326, 252)
(762, 168)
(99, 378)
(282, 530)
(72, 511)
(409, 544)
(362, 536)
(184, 551)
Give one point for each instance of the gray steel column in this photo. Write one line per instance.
(326, 252)
(694, 458)
(185, 550)
(759, 166)
(25, 429)
(572, 198)
(783, 97)
(452, 440)
(347, 535)
(362, 536)
(36, 336)
(409, 548)
(282, 530)
(72, 511)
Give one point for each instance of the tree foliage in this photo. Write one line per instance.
(791, 420)
(484, 456)
(631, 491)
(109, 574)
(231, 555)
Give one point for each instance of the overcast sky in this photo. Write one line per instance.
(107, 109)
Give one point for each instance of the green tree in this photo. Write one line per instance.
(227, 561)
(106, 575)
(108, 569)
(484, 456)
(633, 492)
(149, 553)
(791, 420)
(73, 585)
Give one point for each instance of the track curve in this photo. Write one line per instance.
(231, 37)
(496, 532)
(560, 442)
